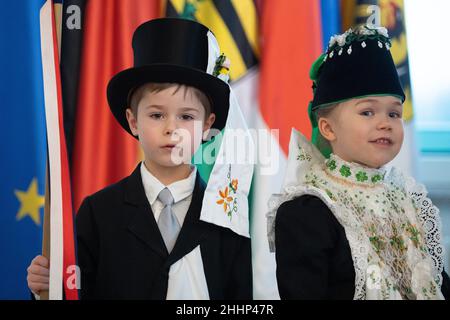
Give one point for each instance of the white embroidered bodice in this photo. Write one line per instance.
(392, 227)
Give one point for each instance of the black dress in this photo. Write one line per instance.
(313, 254)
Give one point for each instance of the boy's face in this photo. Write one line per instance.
(368, 131)
(170, 124)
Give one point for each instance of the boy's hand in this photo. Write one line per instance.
(38, 275)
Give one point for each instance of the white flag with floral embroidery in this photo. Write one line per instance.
(225, 202)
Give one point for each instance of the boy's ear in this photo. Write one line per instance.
(207, 125)
(132, 122)
(209, 121)
(326, 129)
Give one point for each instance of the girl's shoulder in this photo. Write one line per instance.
(305, 213)
(306, 209)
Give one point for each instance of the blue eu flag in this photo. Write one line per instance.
(22, 144)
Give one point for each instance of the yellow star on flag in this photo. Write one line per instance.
(30, 203)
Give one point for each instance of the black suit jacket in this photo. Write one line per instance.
(313, 254)
(122, 255)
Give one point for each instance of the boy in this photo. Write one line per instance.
(142, 238)
(345, 228)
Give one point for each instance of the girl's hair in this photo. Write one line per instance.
(136, 95)
(325, 112)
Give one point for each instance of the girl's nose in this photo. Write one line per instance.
(384, 123)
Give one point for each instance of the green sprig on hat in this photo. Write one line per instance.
(314, 71)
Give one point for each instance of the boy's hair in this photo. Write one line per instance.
(137, 94)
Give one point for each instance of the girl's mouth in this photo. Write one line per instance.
(382, 141)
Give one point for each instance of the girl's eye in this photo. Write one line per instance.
(367, 113)
(395, 115)
(187, 117)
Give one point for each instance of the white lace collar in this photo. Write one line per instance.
(354, 172)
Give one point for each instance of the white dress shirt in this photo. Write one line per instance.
(181, 192)
(186, 276)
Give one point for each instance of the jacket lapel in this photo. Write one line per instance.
(143, 224)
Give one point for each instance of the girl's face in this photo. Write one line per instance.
(368, 131)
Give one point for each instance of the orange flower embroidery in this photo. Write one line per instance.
(225, 199)
(229, 202)
(234, 184)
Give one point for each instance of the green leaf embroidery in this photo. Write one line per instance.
(331, 165)
(376, 178)
(345, 171)
(330, 194)
(432, 288)
(361, 176)
(303, 155)
(398, 243)
(377, 243)
(414, 234)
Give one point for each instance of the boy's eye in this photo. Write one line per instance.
(187, 117)
(395, 114)
(367, 113)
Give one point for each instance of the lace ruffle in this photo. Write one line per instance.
(429, 217)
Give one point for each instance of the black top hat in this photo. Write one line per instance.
(174, 51)
(357, 63)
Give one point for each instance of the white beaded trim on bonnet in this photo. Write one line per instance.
(338, 42)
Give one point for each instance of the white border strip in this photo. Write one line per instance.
(54, 152)
(213, 52)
